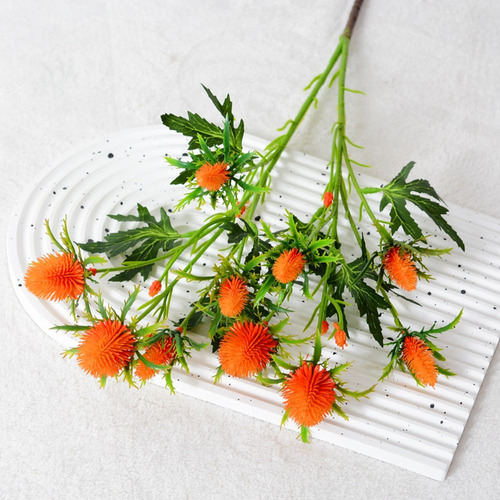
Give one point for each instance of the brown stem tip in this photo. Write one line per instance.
(349, 27)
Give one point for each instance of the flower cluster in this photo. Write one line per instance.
(244, 302)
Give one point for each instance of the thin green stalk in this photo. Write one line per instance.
(380, 228)
(393, 310)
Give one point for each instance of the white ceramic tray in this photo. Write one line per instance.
(414, 428)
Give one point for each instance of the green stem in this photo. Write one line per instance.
(393, 310)
(352, 176)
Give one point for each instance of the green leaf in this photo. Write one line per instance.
(71, 328)
(182, 178)
(181, 164)
(128, 304)
(367, 299)
(193, 126)
(250, 188)
(152, 365)
(236, 233)
(147, 241)
(93, 260)
(398, 192)
(266, 286)
(226, 139)
(226, 110)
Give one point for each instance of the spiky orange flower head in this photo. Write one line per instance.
(212, 176)
(340, 336)
(159, 353)
(55, 276)
(419, 360)
(401, 268)
(233, 295)
(154, 288)
(288, 266)
(246, 349)
(309, 394)
(105, 348)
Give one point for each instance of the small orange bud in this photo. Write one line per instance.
(327, 198)
(242, 211)
(340, 336)
(154, 288)
(324, 327)
(92, 271)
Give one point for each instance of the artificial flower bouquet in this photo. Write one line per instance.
(242, 306)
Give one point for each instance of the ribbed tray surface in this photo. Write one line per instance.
(418, 429)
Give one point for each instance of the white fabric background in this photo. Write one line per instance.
(75, 70)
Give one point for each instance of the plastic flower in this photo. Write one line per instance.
(324, 327)
(105, 348)
(55, 277)
(233, 295)
(419, 359)
(401, 268)
(327, 199)
(340, 336)
(246, 349)
(309, 393)
(154, 288)
(288, 266)
(212, 177)
(159, 353)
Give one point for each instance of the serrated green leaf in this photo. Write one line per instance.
(148, 241)
(193, 126)
(367, 299)
(182, 178)
(226, 110)
(398, 192)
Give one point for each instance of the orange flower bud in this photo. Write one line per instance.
(327, 198)
(154, 288)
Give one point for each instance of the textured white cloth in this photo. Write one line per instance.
(75, 70)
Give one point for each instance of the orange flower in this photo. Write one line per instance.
(340, 336)
(288, 266)
(242, 211)
(105, 348)
(419, 360)
(246, 349)
(159, 353)
(212, 177)
(324, 327)
(154, 288)
(309, 394)
(232, 296)
(327, 198)
(55, 277)
(400, 268)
